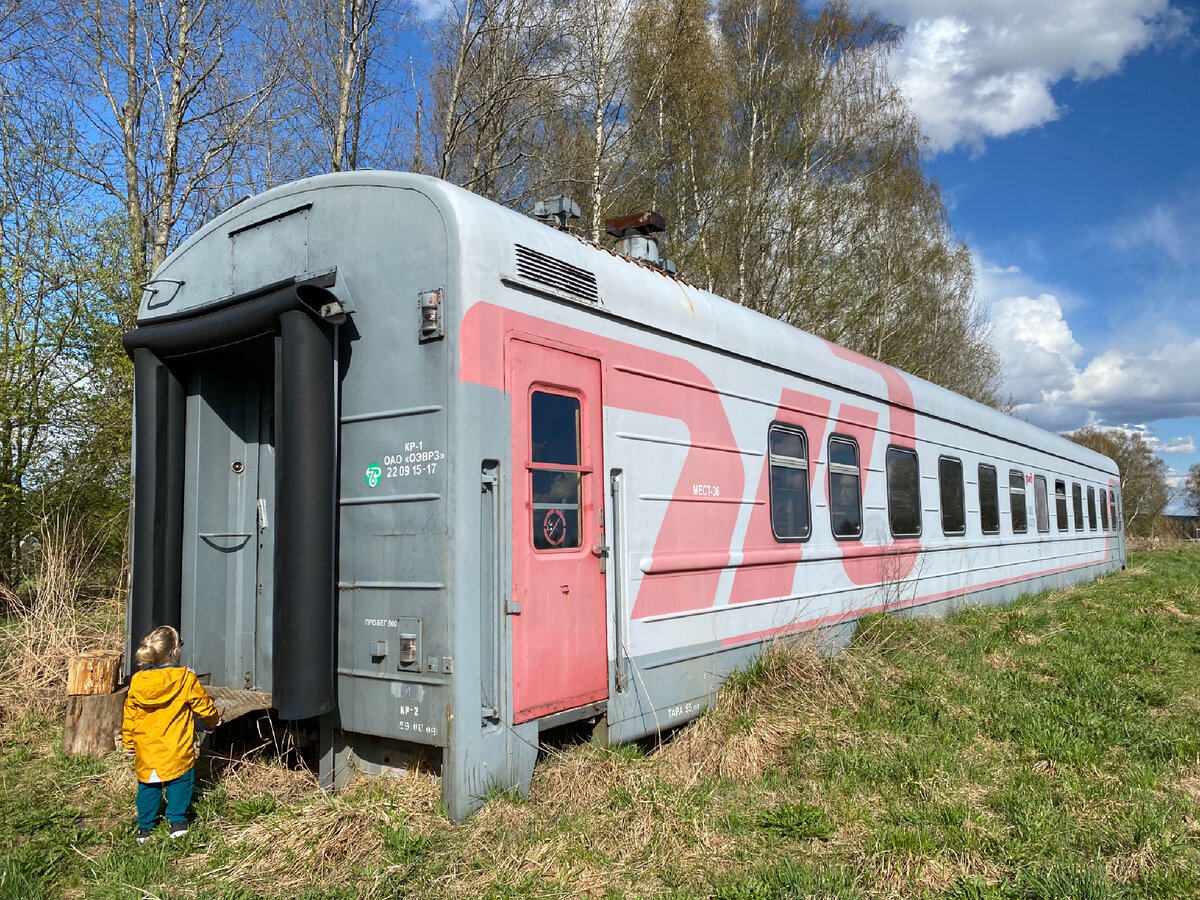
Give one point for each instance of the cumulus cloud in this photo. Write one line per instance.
(1045, 380)
(986, 69)
(1178, 445)
(1037, 346)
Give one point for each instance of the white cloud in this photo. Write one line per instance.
(1173, 446)
(986, 69)
(1042, 374)
(1037, 346)
(1171, 229)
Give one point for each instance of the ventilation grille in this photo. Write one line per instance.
(562, 278)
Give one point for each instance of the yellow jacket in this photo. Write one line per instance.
(159, 726)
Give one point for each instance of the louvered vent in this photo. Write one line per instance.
(562, 278)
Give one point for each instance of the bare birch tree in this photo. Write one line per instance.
(498, 70)
(160, 82)
(342, 85)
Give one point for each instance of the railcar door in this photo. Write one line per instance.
(559, 641)
(228, 568)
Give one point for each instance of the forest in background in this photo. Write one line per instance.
(768, 133)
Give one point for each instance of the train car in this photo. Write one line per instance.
(437, 477)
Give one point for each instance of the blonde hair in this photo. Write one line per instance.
(160, 645)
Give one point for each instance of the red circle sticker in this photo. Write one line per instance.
(554, 527)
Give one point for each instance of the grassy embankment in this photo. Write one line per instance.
(1050, 749)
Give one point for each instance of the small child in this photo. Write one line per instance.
(164, 701)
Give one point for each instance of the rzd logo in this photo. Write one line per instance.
(374, 473)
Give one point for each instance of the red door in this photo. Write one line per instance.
(560, 647)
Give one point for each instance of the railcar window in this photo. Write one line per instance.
(904, 492)
(1077, 506)
(1016, 501)
(845, 496)
(789, 483)
(989, 500)
(1091, 508)
(1104, 509)
(1041, 503)
(1117, 519)
(555, 470)
(950, 485)
(1060, 505)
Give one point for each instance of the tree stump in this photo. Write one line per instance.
(93, 723)
(96, 672)
(94, 711)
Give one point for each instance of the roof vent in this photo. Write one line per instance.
(636, 236)
(556, 211)
(561, 277)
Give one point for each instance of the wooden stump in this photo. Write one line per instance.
(94, 723)
(97, 672)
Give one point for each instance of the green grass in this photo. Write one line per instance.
(1048, 749)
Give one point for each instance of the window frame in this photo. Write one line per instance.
(995, 497)
(1060, 504)
(1104, 519)
(805, 467)
(1077, 505)
(1041, 504)
(1017, 476)
(891, 452)
(543, 466)
(946, 463)
(1091, 508)
(842, 469)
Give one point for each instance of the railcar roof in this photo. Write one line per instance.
(652, 299)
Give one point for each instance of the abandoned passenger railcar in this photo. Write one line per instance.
(440, 477)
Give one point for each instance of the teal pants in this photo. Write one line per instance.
(179, 797)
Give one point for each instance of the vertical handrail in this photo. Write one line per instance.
(615, 538)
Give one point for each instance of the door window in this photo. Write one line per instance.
(555, 470)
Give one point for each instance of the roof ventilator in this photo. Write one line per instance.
(556, 211)
(636, 236)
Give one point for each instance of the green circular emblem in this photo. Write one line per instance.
(374, 473)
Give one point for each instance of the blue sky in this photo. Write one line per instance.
(1066, 137)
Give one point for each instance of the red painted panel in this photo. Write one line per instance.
(658, 384)
(755, 580)
(901, 559)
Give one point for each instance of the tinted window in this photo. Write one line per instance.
(950, 485)
(989, 500)
(1077, 506)
(1104, 509)
(1016, 502)
(1060, 504)
(904, 492)
(845, 505)
(1091, 508)
(1117, 520)
(1041, 503)
(554, 443)
(789, 483)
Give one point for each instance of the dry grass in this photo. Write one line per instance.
(317, 838)
(58, 618)
(791, 689)
(593, 818)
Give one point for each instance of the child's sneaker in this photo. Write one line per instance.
(143, 835)
(178, 829)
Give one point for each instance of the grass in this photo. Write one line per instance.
(1049, 749)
